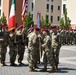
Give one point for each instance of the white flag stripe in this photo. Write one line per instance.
(12, 11)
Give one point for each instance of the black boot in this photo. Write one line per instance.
(53, 69)
(44, 69)
(31, 69)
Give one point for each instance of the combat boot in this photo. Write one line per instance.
(53, 69)
(31, 69)
(43, 70)
(35, 66)
(56, 67)
(3, 63)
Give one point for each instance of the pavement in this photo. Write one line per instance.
(67, 64)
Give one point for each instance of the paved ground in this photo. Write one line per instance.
(67, 64)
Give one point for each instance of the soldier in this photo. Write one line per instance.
(33, 46)
(12, 47)
(67, 37)
(21, 44)
(54, 46)
(48, 57)
(75, 36)
(58, 49)
(71, 37)
(4, 44)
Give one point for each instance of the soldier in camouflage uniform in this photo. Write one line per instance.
(75, 37)
(58, 49)
(12, 47)
(54, 46)
(4, 45)
(48, 56)
(71, 37)
(20, 43)
(33, 45)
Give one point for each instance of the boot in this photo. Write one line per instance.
(44, 69)
(35, 66)
(56, 67)
(31, 69)
(3, 63)
(13, 64)
(53, 69)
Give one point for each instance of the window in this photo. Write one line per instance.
(51, 19)
(52, 0)
(64, 7)
(32, 6)
(0, 2)
(47, 16)
(47, 0)
(58, 18)
(32, 16)
(58, 7)
(47, 7)
(0, 12)
(52, 8)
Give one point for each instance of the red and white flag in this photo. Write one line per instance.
(11, 21)
(24, 9)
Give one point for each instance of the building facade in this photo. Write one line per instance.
(5, 6)
(52, 8)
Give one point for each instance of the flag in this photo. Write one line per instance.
(38, 20)
(24, 9)
(11, 21)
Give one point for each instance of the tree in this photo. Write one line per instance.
(3, 19)
(62, 22)
(45, 22)
(29, 21)
(65, 21)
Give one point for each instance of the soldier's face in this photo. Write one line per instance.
(36, 31)
(44, 33)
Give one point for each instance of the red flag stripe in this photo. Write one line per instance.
(24, 7)
(11, 23)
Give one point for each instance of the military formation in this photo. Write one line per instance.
(38, 41)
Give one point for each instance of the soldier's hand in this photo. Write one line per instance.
(39, 36)
(42, 46)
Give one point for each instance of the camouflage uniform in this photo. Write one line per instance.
(54, 46)
(58, 49)
(48, 56)
(12, 48)
(21, 45)
(71, 37)
(4, 46)
(33, 45)
(75, 37)
(67, 37)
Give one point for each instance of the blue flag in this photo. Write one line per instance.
(38, 20)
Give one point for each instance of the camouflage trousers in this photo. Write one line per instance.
(32, 57)
(21, 50)
(12, 53)
(56, 55)
(48, 58)
(3, 53)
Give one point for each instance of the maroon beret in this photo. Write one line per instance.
(20, 27)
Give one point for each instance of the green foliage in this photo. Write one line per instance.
(3, 19)
(45, 22)
(65, 21)
(62, 22)
(28, 22)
